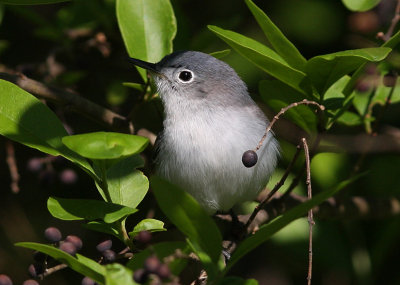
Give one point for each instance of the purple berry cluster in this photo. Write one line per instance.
(152, 266)
(47, 174)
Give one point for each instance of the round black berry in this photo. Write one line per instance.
(87, 281)
(185, 75)
(163, 271)
(104, 245)
(35, 269)
(249, 158)
(68, 247)
(151, 264)
(143, 237)
(52, 234)
(109, 255)
(389, 80)
(140, 276)
(30, 282)
(75, 240)
(5, 280)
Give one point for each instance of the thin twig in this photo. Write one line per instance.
(395, 20)
(281, 112)
(12, 166)
(310, 217)
(275, 189)
(52, 270)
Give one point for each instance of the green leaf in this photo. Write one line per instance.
(264, 58)
(188, 216)
(126, 185)
(117, 274)
(147, 27)
(23, 118)
(221, 54)
(161, 250)
(105, 145)
(133, 85)
(277, 39)
(350, 119)
(103, 227)
(151, 225)
(278, 95)
(360, 5)
(266, 231)
(83, 209)
(30, 2)
(81, 264)
(324, 70)
(232, 280)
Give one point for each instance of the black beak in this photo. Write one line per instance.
(144, 64)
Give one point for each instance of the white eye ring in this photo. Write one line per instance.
(185, 76)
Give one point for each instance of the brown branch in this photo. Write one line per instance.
(395, 20)
(52, 270)
(77, 103)
(333, 208)
(12, 166)
(310, 212)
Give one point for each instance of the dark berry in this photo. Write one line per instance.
(362, 86)
(109, 255)
(68, 247)
(140, 276)
(75, 240)
(87, 281)
(39, 256)
(249, 158)
(389, 80)
(151, 264)
(52, 234)
(35, 164)
(143, 237)
(35, 269)
(104, 245)
(5, 280)
(68, 176)
(30, 282)
(163, 271)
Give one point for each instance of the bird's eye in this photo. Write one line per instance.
(185, 76)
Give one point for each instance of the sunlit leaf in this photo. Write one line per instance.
(105, 145)
(147, 28)
(84, 209)
(360, 5)
(117, 274)
(151, 225)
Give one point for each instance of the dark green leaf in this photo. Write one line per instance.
(189, 217)
(162, 250)
(147, 27)
(266, 231)
(117, 274)
(350, 119)
(278, 95)
(31, 2)
(105, 145)
(264, 58)
(103, 227)
(324, 70)
(277, 39)
(23, 118)
(221, 54)
(360, 5)
(151, 225)
(81, 264)
(232, 280)
(126, 185)
(83, 209)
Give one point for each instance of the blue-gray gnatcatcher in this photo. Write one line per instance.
(210, 121)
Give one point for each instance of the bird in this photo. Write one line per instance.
(210, 121)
